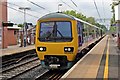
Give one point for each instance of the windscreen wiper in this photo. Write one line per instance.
(60, 33)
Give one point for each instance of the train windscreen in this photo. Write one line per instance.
(56, 31)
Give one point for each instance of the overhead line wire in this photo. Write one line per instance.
(18, 10)
(72, 7)
(68, 5)
(21, 6)
(38, 5)
(97, 10)
(74, 3)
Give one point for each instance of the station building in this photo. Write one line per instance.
(13, 35)
(3, 18)
(8, 34)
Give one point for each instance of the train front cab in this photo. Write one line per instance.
(57, 53)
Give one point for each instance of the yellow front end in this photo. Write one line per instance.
(57, 48)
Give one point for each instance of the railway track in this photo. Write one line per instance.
(19, 64)
(16, 70)
(17, 60)
(52, 75)
(23, 65)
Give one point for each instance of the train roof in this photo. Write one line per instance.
(57, 15)
(61, 15)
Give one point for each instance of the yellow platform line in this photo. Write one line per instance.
(106, 63)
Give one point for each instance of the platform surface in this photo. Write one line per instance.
(93, 65)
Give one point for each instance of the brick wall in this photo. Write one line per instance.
(3, 18)
(12, 38)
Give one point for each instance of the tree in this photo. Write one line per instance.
(20, 25)
(83, 17)
(77, 15)
(103, 27)
(113, 11)
(91, 20)
(113, 28)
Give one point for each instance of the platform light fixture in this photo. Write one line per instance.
(59, 5)
(24, 29)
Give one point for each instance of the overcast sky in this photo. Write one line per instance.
(86, 7)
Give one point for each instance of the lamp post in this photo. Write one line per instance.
(25, 25)
(59, 7)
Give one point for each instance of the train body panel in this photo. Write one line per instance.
(57, 48)
(118, 39)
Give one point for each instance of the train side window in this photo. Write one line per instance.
(80, 32)
(80, 27)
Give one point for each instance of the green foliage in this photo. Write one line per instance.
(20, 25)
(77, 15)
(103, 27)
(83, 17)
(113, 29)
(91, 20)
(113, 11)
(112, 20)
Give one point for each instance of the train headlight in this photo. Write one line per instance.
(41, 48)
(68, 49)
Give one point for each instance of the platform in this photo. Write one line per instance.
(102, 61)
(15, 49)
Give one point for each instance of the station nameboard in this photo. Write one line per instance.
(7, 24)
(117, 12)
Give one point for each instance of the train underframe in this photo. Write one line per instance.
(56, 62)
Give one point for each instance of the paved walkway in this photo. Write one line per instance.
(88, 66)
(15, 49)
(114, 63)
(103, 61)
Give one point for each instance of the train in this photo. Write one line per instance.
(61, 37)
(118, 39)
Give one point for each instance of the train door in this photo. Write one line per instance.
(80, 33)
(118, 36)
(101, 32)
(97, 33)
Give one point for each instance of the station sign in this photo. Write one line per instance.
(7, 24)
(113, 25)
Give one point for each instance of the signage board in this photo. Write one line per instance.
(7, 24)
